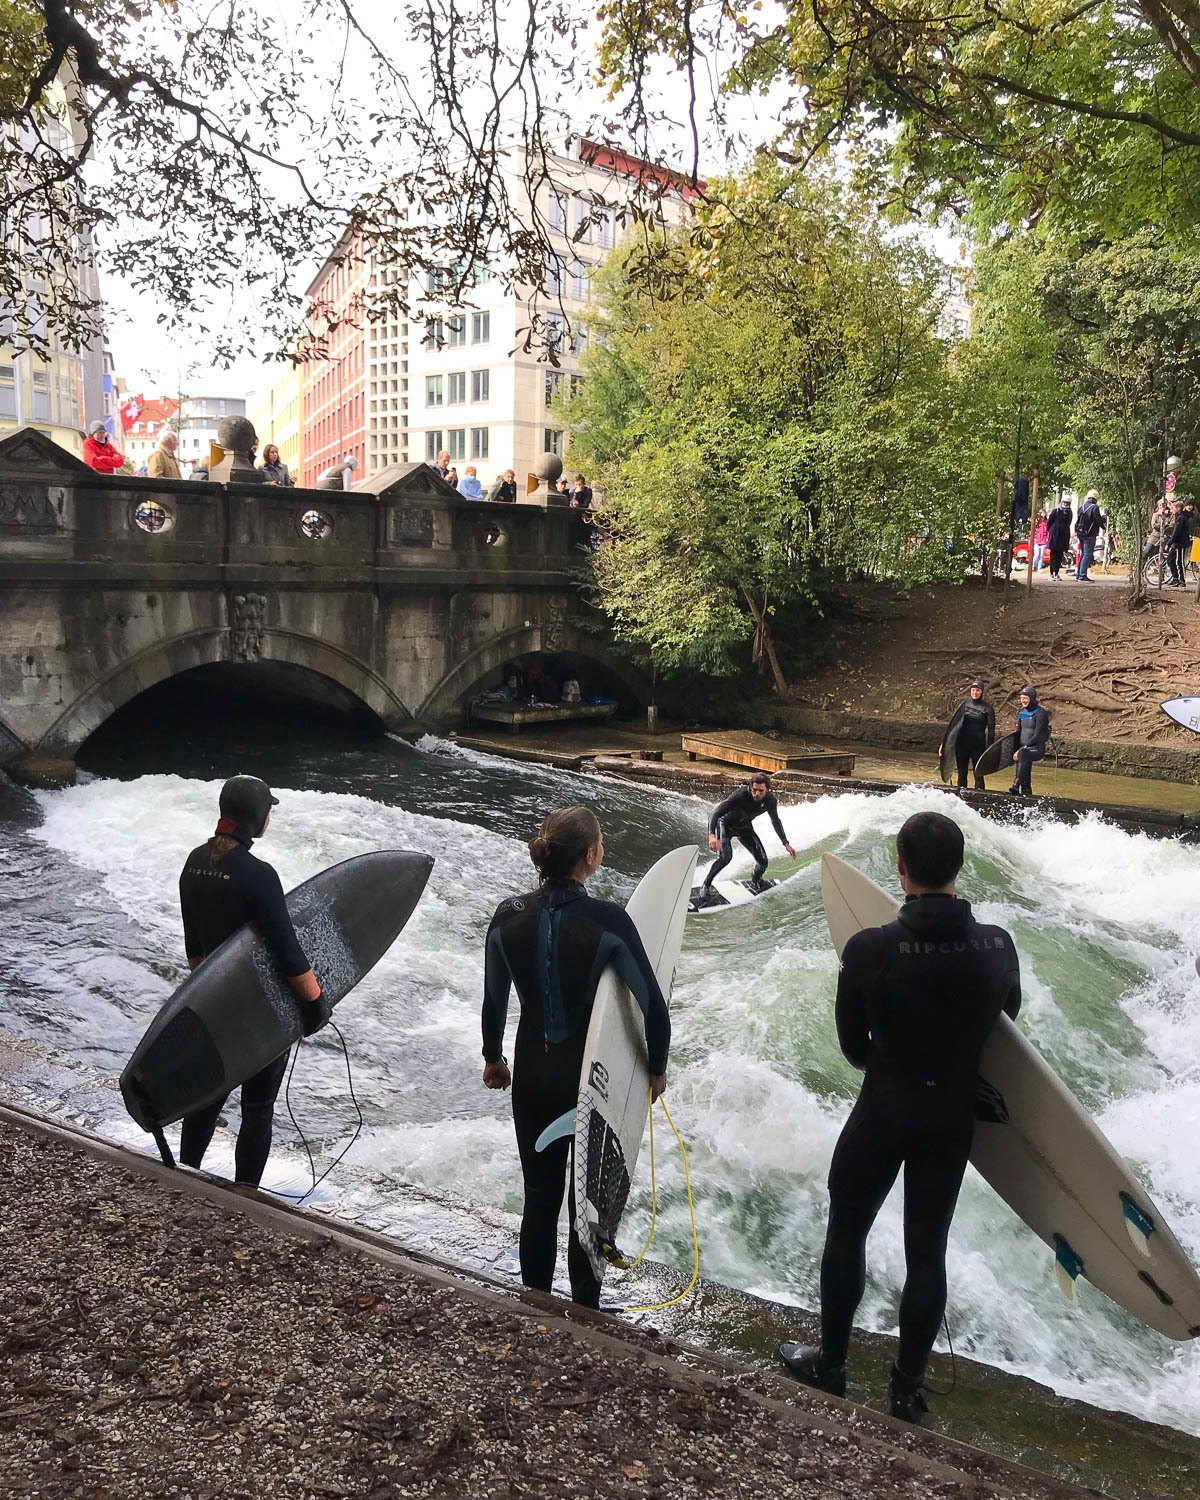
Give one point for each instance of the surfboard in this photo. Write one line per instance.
(946, 764)
(1184, 711)
(236, 1013)
(1043, 1154)
(614, 1082)
(998, 756)
(723, 895)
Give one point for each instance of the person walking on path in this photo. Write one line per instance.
(1179, 542)
(553, 944)
(162, 463)
(99, 453)
(1041, 535)
(222, 888)
(1087, 528)
(1058, 535)
(1032, 734)
(916, 1001)
(975, 720)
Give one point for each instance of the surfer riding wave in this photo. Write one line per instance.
(553, 944)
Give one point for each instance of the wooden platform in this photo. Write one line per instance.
(549, 713)
(742, 747)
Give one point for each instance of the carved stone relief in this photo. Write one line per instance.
(412, 526)
(554, 623)
(248, 615)
(28, 510)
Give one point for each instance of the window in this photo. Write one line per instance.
(605, 229)
(554, 275)
(433, 445)
(481, 273)
(479, 442)
(456, 441)
(558, 211)
(481, 327)
(579, 280)
(576, 385)
(435, 333)
(579, 338)
(554, 331)
(553, 381)
(456, 331)
(553, 441)
(583, 222)
(439, 280)
(457, 393)
(481, 385)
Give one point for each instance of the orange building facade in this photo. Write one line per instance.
(333, 375)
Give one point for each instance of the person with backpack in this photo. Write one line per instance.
(1058, 535)
(1087, 529)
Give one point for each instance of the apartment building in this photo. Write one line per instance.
(390, 389)
(276, 414)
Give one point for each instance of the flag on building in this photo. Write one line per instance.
(131, 411)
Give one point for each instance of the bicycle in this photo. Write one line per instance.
(1156, 571)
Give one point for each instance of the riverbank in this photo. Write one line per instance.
(161, 1336)
(729, 1334)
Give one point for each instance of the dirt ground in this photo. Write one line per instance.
(1100, 669)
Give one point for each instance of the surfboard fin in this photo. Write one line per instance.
(1067, 1267)
(564, 1125)
(1139, 1225)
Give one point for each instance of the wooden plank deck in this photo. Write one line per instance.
(549, 713)
(742, 747)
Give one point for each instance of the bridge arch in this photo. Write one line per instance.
(202, 648)
(449, 695)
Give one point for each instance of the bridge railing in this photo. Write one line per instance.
(84, 519)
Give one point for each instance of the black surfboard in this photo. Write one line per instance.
(946, 763)
(998, 756)
(236, 1013)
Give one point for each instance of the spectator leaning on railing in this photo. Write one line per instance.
(99, 453)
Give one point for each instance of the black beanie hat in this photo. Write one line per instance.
(246, 803)
(1031, 694)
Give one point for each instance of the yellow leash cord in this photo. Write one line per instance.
(687, 1178)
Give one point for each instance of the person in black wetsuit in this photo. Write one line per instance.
(1033, 733)
(553, 944)
(977, 720)
(734, 819)
(222, 887)
(916, 1001)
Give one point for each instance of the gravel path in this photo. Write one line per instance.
(153, 1344)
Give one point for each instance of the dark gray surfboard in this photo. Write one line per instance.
(946, 762)
(997, 757)
(236, 1013)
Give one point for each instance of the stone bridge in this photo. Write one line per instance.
(405, 599)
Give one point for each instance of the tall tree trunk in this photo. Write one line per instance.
(764, 630)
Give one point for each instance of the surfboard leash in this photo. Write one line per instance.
(687, 1178)
(287, 1099)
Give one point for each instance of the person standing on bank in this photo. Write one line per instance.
(99, 453)
(916, 1001)
(1058, 535)
(975, 719)
(734, 819)
(222, 887)
(1087, 529)
(1032, 734)
(553, 944)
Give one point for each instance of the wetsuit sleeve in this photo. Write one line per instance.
(1043, 730)
(721, 809)
(497, 986)
(192, 945)
(272, 919)
(850, 1011)
(628, 957)
(771, 808)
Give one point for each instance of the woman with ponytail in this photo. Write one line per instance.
(553, 944)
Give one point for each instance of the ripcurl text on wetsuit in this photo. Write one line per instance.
(734, 819)
(553, 944)
(916, 1001)
(217, 899)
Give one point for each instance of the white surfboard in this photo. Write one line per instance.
(731, 893)
(614, 1083)
(1046, 1158)
(1185, 712)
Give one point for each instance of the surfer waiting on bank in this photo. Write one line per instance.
(1028, 741)
(222, 888)
(971, 729)
(916, 1001)
(554, 943)
(734, 819)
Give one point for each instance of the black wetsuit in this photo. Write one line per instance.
(554, 944)
(1058, 536)
(218, 899)
(916, 1001)
(1033, 732)
(978, 729)
(734, 819)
